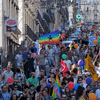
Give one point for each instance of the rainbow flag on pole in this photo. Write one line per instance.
(50, 38)
(56, 89)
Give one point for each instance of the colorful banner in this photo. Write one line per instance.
(56, 89)
(89, 66)
(50, 38)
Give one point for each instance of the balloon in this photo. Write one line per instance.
(64, 56)
(88, 80)
(95, 42)
(81, 23)
(91, 23)
(92, 96)
(84, 36)
(98, 40)
(88, 24)
(10, 80)
(76, 86)
(48, 85)
(70, 85)
(96, 37)
(75, 46)
(77, 24)
(80, 62)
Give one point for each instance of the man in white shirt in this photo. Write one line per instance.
(19, 60)
(7, 73)
(97, 93)
(68, 63)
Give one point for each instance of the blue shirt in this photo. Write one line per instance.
(56, 50)
(35, 49)
(6, 96)
(24, 55)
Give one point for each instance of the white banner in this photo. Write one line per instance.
(91, 40)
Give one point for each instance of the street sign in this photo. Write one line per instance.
(11, 24)
(78, 16)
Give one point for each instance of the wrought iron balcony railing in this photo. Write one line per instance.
(29, 32)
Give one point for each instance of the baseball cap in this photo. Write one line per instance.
(33, 42)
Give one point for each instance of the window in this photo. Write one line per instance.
(95, 7)
(88, 10)
(88, 1)
(95, 16)
(95, 2)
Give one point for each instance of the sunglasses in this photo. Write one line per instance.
(63, 97)
(15, 87)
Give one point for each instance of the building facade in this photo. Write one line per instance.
(35, 18)
(9, 40)
(90, 11)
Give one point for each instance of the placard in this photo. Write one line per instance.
(91, 40)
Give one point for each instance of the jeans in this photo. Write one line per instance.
(50, 62)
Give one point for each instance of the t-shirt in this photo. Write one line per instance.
(7, 75)
(41, 59)
(24, 55)
(19, 60)
(34, 49)
(68, 63)
(97, 93)
(19, 76)
(37, 45)
(50, 53)
(17, 92)
(6, 96)
(33, 81)
(56, 50)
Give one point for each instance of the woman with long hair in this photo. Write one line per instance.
(67, 92)
(80, 93)
(14, 97)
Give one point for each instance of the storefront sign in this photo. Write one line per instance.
(11, 24)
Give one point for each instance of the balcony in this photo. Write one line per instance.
(29, 32)
(95, 11)
(95, 20)
(43, 24)
(87, 20)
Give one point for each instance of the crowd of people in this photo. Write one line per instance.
(36, 68)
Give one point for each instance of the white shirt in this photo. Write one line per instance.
(7, 75)
(97, 93)
(84, 85)
(68, 63)
(37, 45)
(19, 60)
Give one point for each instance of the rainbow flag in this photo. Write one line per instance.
(50, 38)
(56, 89)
